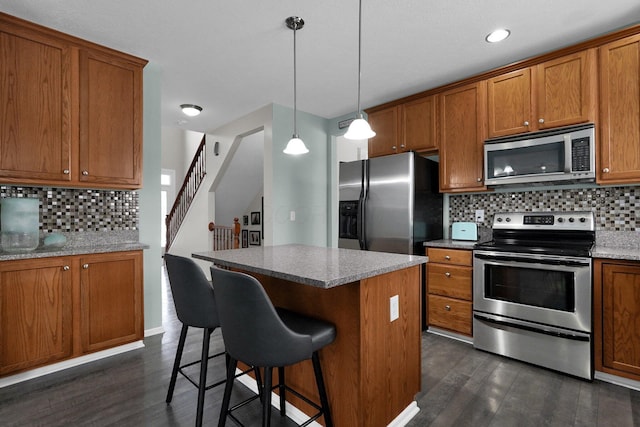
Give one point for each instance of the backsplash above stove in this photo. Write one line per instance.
(614, 207)
(81, 210)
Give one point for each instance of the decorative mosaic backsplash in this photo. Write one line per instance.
(616, 208)
(74, 210)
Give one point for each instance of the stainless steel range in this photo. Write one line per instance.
(532, 290)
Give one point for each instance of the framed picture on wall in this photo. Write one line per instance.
(245, 219)
(245, 238)
(255, 218)
(254, 238)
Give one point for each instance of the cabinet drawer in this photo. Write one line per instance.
(449, 313)
(449, 280)
(449, 256)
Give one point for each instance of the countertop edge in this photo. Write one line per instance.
(70, 251)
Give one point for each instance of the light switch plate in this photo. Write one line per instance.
(394, 308)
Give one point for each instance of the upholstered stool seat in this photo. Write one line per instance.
(257, 334)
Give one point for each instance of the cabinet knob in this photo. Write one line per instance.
(540, 120)
(66, 268)
(393, 147)
(479, 179)
(85, 266)
(447, 274)
(447, 257)
(526, 123)
(447, 307)
(401, 145)
(605, 170)
(66, 171)
(85, 173)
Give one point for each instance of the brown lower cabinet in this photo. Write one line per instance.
(449, 295)
(617, 317)
(52, 309)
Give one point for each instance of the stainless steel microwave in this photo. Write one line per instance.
(562, 155)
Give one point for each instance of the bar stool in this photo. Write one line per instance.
(195, 306)
(258, 334)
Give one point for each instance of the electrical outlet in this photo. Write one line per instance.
(394, 308)
(479, 215)
(292, 215)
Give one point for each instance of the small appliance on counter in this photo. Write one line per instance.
(464, 231)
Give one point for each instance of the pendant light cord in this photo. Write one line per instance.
(295, 106)
(359, 52)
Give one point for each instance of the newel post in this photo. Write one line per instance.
(236, 233)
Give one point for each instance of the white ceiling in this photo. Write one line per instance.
(233, 57)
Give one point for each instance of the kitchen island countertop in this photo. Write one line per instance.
(311, 265)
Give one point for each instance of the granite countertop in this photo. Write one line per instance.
(83, 243)
(311, 265)
(450, 244)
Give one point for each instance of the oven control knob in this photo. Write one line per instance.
(508, 219)
(583, 219)
(560, 219)
(571, 219)
(499, 219)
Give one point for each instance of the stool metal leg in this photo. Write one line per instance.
(176, 363)
(226, 398)
(282, 390)
(202, 385)
(266, 404)
(322, 391)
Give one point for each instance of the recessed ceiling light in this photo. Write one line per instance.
(498, 35)
(191, 110)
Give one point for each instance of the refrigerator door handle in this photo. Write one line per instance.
(362, 202)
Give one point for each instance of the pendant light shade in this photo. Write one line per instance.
(359, 128)
(295, 145)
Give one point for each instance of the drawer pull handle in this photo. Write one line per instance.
(447, 257)
(85, 173)
(85, 266)
(66, 171)
(66, 268)
(447, 274)
(447, 307)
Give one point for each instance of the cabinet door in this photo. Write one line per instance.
(385, 123)
(621, 317)
(509, 103)
(566, 90)
(619, 160)
(35, 313)
(110, 121)
(462, 134)
(110, 300)
(419, 125)
(35, 108)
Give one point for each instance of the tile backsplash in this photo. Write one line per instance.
(81, 210)
(615, 208)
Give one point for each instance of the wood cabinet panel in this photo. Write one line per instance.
(619, 150)
(450, 280)
(110, 300)
(35, 313)
(618, 297)
(509, 102)
(462, 135)
(35, 107)
(386, 125)
(419, 125)
(450, 313)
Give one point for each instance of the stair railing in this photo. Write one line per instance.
(194, 177)
(225, 237)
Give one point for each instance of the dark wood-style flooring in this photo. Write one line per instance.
(460, 387)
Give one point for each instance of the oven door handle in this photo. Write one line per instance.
(536, 260)
(541, 329)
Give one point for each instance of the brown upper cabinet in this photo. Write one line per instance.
(70, 110)
(619, 154)
(462, 135)
(555, 93)
(407, 127)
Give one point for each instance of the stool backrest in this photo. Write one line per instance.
(193, 294)
(252, 330)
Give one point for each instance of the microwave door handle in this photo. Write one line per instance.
(567, 153)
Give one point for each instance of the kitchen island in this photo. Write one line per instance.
(372, 369)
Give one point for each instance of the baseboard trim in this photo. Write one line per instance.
(153, 331)
(299, 417)
(614, 379)
(70, 363)
(449, 334)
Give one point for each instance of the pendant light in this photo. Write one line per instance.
(359, 128)
(295, 145)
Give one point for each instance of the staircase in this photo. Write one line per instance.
(194, 177)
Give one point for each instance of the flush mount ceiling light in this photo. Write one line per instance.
(497, 35)
(359, 128)
(191, 110)
(295, 145)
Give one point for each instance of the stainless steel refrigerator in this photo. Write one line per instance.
(389, 204)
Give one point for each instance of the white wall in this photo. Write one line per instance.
(173, 151)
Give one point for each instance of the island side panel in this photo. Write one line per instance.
(391, 349)
(340, 360)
